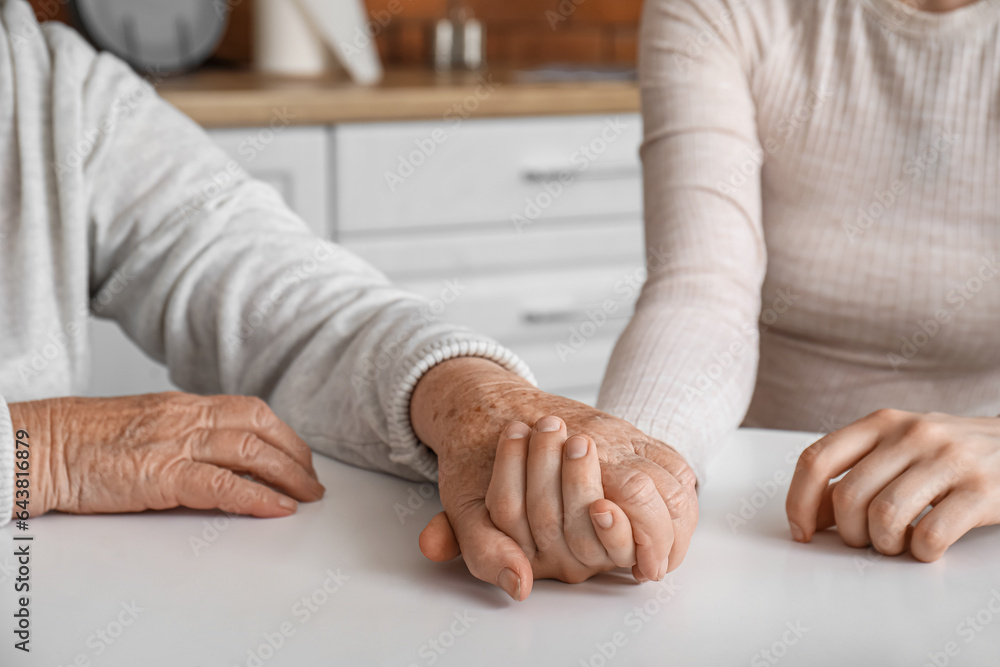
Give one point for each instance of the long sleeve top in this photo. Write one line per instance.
(114, 204)
(822, 205)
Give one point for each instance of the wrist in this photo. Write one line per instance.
(465, 402)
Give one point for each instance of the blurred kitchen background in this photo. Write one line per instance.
(491, 165)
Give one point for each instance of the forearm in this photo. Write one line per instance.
(683, 375)
(684, 370)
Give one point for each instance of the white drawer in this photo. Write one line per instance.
(533, 305)
(404, 175)
(410, 254)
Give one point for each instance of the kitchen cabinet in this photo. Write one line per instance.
(537, 221)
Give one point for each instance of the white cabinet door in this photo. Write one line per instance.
(292, 159)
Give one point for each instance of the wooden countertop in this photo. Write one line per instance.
(216, 98)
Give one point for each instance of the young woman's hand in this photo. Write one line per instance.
(899, 463)
(547, 495)
(461, 406)
(135, 453)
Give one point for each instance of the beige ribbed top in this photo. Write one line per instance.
(866, 245)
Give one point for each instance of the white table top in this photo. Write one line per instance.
(737, 594)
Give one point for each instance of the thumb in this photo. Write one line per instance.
(490, 554)
(437, 540)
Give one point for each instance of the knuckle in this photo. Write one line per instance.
(811, 458)
(687, 478)
(846, 494)
(924, 430)
(639, 489)
(203, 412)
(248, 448)
(575, 575)
(929, 540)
(165, 401)
(258, 409)
(277, 468)
(505, 512)
(885, 416)
(221, 482)
(884, 513)
(586, 550)
(888, 544)
(243, 502)
(198, 440)
(681, 502)
(853, 541)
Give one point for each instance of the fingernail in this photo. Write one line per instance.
(641, 578)
(287, 503)
(511, 583)
(662, 572)
(797, 533)
(516, 431)
(576, 447)
(548, 424)
(604, 519)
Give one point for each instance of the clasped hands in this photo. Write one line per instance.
(567, 492)
(561, 506)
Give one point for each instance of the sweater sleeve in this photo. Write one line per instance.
(210, 272)
(684, 369)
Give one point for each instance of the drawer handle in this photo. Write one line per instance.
(570, 316)
(588, 173)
